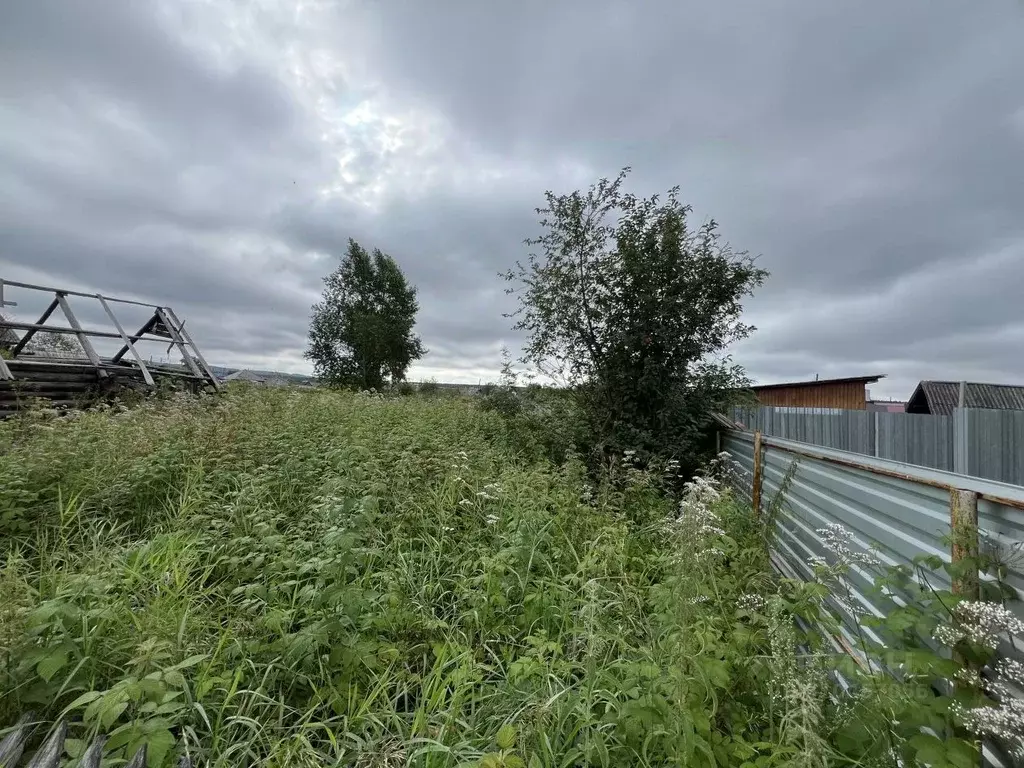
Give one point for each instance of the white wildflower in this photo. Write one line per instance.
(491, 519)
(697, 522)
(948, 635)
(751, 602)
(710, 553)
(985, 623)
(849, 606)
(837, 539)
(466, 503)
(1004, 721)
(1011, 670)
(968, 676)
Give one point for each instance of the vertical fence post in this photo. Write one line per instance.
(960, 441)
(963, 524)
(718, 442)
(755, 491)
(876, 418)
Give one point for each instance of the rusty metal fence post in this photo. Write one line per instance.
(963, 524)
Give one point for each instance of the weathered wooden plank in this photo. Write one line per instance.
(32, 331)
(195, 349)
(83, 339)
(8, 400)
(93, 756)
(59, 329)
(179, 342)
(49, 755)
(46, 289)
(47, 377)
(146, 328)
(139, 760)
(13, 743)
(52, 403)
(128, 342)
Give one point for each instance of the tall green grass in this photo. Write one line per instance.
(318, 578)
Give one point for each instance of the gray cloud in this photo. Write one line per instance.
(215, 157)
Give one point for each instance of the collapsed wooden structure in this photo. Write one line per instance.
(27, 374)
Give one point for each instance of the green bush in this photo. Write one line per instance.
(405, 389)
(429, 388)
(546, 423)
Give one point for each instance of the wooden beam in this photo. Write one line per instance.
(3, 301)
(179, 342)
(83, 339)
(963, 523)
(47, 289)
(38, 325)
(62, 329)
(128, 342)
(188, 339)
(146, 328)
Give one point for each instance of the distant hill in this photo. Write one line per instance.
(276, 377)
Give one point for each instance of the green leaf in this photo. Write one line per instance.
(506, 736)
(123, 735)
(191, 661)
(74, 747)
(929, 750)
(514, 761)
(86, 698)
(535, 762)
(52, 663)
(174, 677)
(110, 714)
(158, 744)
(963, 754)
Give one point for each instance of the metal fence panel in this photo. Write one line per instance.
(995, 444)
(915, 438)
(896, 509)
(980, 442)
(830, 427)
(899, 519)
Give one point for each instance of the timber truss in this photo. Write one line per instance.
(20, 364)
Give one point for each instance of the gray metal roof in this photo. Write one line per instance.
(941, 397)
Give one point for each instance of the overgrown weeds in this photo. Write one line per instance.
(300, 578)
(293, 578)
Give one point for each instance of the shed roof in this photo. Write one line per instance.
(941, 397)
(820, 382)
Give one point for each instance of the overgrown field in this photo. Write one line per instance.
(317, 578)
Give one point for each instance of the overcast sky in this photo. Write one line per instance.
(216, 156)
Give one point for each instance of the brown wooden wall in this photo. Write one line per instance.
(847, 395)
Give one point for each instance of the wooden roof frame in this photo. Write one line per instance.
(163, 325)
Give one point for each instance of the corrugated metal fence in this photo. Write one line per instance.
(901, 510)
(980, 442)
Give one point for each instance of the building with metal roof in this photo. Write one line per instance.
(846, 393)
(942, 397)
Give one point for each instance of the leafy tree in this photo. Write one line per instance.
(632, 308)
(361, 330)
